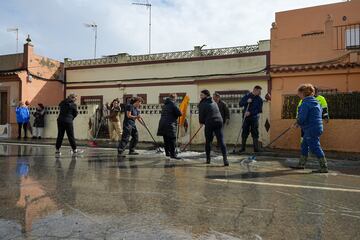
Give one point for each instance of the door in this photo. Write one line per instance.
(3, 108)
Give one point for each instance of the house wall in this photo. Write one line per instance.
(289, 48)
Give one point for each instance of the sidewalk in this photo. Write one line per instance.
(269, 152)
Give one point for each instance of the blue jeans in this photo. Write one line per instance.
(312, 144)
(209, 135)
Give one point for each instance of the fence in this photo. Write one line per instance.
(90, 116)
(341, 105)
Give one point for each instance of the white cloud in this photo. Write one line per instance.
(57, 30)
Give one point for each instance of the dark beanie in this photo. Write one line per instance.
(206, 92)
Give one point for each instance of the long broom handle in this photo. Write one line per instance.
(184, 148)
(240, 130)
(282, 134)
(148, 130)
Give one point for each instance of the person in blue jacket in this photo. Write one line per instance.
(310, 120)
(22, 118)
(252, 104)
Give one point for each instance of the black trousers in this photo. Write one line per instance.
(170, 146)
(24, 126)
(69, 129)
(129, 131)
(210, 130)
(251, 124)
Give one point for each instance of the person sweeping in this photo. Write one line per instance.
(252, 104)
(132, 113)
(168, 126)
(310, 120)
(209, 115)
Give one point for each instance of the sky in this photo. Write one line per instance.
(57, 27)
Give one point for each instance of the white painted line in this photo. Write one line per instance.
(289, 185)
(348, 215)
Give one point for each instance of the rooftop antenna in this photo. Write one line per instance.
(148, 6)
(94, 27)
(16, 30)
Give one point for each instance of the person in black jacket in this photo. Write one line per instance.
(253, 103)
(68, 112)
(209, 115)
(168, 125)
(223, 108)
(39, 121)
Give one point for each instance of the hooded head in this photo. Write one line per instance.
(204, 94)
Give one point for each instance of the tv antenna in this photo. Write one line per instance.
(15, 30)
(148, 6)
(94, 27)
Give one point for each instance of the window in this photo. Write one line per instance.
(232, 97)
(163, 96)
(88, 100)
(127, 96)
(352, 37)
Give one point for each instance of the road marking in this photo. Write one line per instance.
(289, 185)
(348, 215)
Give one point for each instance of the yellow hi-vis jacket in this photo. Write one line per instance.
(323, 104)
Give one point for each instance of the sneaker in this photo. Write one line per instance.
(133, 153)
(77, 151)
(39, 137)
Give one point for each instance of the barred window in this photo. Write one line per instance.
(232, 97)
(164, 96)
(88, 100)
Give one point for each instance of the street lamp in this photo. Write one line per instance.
(16, 30)
(148, 6)
(94, 27)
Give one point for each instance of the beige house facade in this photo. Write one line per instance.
(229, 71)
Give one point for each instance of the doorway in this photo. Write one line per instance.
(3, 108)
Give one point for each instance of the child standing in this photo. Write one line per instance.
(310, 120)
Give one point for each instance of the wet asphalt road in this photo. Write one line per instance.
(101, 196)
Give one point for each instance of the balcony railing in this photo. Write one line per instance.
(347, 37)
(126, 58)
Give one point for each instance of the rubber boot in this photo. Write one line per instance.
(208, 159)
(226, 163)
(256, 145)
(302, 163)
(323, 166)
(243, 146)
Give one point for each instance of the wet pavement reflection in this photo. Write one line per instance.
(102, 196)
